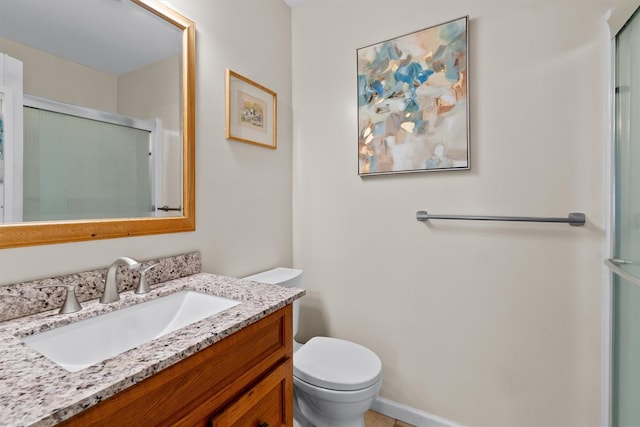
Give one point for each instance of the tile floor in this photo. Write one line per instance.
(375, 419)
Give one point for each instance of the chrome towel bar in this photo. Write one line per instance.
(574, 218)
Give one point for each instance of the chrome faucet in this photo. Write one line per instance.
(111, 284)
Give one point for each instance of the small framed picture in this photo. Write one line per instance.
(252, 112)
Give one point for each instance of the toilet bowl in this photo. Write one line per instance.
(335, 381)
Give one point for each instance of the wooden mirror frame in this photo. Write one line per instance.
(49, 232)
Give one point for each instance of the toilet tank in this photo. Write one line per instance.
(289, 277)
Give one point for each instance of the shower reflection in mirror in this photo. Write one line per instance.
(80, 163)
(60, 161)
(1, 157)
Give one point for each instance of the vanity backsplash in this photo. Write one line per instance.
(23, 299)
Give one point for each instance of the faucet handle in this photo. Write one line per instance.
(71, 304)
(143, 286)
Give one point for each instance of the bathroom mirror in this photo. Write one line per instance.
(141, 25)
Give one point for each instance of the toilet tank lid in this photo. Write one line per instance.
(276, 276)
(336, 364)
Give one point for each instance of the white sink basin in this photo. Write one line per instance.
(87, 342)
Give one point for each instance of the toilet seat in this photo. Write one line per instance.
(336, 364)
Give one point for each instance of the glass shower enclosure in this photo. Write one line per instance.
(625, 265)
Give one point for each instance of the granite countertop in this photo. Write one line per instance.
(35, 391)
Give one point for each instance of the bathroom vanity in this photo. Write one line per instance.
(244, 379)
(233, 368)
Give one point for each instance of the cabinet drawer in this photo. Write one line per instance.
(267, 404)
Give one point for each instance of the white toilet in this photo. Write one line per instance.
(335, 381)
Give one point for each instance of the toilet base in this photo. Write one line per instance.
(301, 421)
(296, 423)
(309, 412)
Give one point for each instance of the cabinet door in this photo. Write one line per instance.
(268, 404)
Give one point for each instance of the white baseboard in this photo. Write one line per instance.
(410, 415)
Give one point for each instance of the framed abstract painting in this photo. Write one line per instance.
(413, 112)
(252, 111)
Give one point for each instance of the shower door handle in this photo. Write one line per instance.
(615, 268)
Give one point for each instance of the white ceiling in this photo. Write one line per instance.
(114, 36)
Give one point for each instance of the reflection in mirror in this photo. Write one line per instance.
(11, 112)
(1, 156)
(83, 164)
(98, 141)
(81, 158)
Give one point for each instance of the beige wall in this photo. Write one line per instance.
(55, 78)
(243, 192)
(494, 324)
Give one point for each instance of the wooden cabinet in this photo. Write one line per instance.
(262, 406)
(243, 380)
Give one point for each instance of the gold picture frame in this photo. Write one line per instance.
(252, 111)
